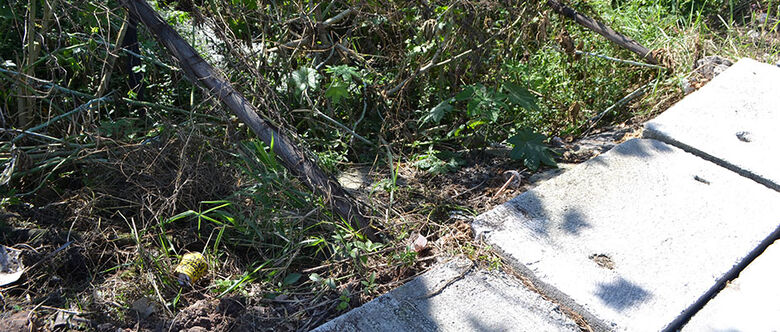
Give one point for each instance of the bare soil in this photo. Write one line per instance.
(437, 207)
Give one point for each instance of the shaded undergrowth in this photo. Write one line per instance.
(123, 179)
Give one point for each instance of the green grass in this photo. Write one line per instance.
(191, 178)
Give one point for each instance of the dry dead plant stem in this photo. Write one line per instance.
(289, 153)
(603, 30)
(433, 62)
(111, 56)
(322, 25)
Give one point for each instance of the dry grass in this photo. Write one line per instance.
(278, 259)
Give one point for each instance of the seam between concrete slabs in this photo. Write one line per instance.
(553, 294)
(651, 133)
(685, 316)
(584, 321)
(563, 299)
(732, 274)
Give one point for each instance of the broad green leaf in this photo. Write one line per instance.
(291, 278)
(472, 108)
(457, 131)
(433, 164)
(466, 93)
(305, 78)
(438, 112)
(520, 96)
(337, 92)
(345, 72)
(530, 147)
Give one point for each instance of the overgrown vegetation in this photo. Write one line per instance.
(117, 151)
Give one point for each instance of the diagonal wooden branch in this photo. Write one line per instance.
(291, 156)
(603, 30)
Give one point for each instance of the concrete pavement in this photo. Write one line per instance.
(642, 238)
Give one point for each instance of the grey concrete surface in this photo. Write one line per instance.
(455, 296)
(734, 121)
(748, 303)
(636, 238)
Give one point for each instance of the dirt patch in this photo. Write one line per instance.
(207, 315)
(603, 261)
(112, 263)
(17, 321)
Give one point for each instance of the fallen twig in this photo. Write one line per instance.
(636, 93)
(342, 126)
(513, 174)
(629, 62)
(603, 30)
(214, 83)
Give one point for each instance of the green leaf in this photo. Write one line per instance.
(337, 92)
(433, 164)
(291, 278)
(436, 113)
(520, 96)
(6, 12)
(305, 78)
(472, 108)
(346, 72)
(330, 283)
(473, 124)
(466, 93)
(342, 306)
(530, 147)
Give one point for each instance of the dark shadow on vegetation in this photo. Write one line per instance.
(622, 294)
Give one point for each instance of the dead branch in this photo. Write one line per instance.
(603, 30)
(213, 82)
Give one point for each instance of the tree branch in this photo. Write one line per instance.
(291, 156)
(603, 30)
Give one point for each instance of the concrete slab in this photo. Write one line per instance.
(636, 238)
(748, 303)
(734, 121)
(456, 297)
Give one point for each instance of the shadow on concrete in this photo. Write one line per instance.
(639, 150)
(622, 294)
(574, 221)
(477, 325)
(530, 207)
(531, 211)
(635, 150)
(483, 306)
